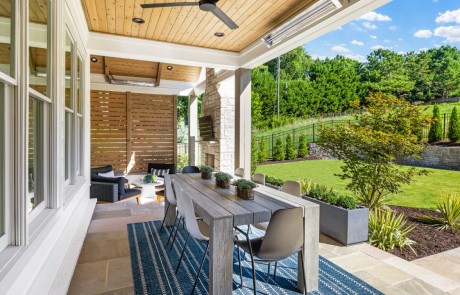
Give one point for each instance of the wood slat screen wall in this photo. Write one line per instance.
(130, 130)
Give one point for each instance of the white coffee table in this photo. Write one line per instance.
(149, 190)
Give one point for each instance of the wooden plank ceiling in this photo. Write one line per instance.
(143, 69)
(190, 25)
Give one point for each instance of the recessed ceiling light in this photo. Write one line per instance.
(219, 34)
(169, 68)
(138, 20)
(93, 59)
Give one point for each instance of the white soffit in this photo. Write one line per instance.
(251, 57)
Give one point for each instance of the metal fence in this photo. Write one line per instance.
(182, 148)
(312, 132)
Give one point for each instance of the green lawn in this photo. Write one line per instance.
(421, 193)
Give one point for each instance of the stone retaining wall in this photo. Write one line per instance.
(437, 157)
(315, 150)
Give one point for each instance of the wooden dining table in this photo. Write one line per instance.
(223, 210)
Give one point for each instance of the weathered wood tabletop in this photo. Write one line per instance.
(223, 210)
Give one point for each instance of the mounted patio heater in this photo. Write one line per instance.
(312, 14)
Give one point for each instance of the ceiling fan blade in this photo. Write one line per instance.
(159, 5)
(224, 18)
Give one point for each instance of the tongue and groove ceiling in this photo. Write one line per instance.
(190, 25)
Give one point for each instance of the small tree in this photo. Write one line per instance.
(263, 150)
(435, 133)
(290, 152)
(454, 126)
(370, 147)
(278, 150)
(254, 155)
(303, 148)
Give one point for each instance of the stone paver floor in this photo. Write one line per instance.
(104, 265)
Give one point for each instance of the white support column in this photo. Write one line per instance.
(192, 129)
(243, 121)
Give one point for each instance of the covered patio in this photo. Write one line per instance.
(91, 83)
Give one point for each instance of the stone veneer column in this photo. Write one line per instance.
(219, 103)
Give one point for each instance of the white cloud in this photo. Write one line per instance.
(357, 57)
(340, 49)
(373, 36)
(423, 34)
(386, 41)
(377, 47)
(401, 52)
(451, 33)
(340, 28)
(318, 56)
(400, 39)
(423, 49)
(374, 16)
(450, 16)
(393, 28)
(357, 43)
(369, 26)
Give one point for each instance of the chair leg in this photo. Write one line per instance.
(274, 273)
(172, 230)
(138, 200)
(268, 272)
(182, 254)
(303, 273)
(164, 218)
(199, 269)
(253, 266)
(239, 263)
(175, 235)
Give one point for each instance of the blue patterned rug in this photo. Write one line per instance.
(153, 267)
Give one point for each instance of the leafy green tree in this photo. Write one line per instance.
(290, 152)
(445, 64)
(435, 133)
(254, 155)
(454, 126)
(303, 148)
(278, 150)
(369, 148)
(263, 150)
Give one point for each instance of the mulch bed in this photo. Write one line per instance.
(309, 157)
(446, 144)
(429, 239)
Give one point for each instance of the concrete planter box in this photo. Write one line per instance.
(273, 186)
(343, 225)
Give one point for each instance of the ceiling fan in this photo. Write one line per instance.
(205, 5)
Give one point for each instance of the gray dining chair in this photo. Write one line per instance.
(170, 196)
(239, 172)
(259, 178)
(282, 239)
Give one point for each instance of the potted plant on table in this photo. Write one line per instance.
(150, 178)
(244, 189)
(223, 179)
(206, 172)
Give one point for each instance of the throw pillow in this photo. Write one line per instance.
(108, 174)
(160, 172)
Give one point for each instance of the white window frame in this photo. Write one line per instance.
(72, 165)
(79, 156)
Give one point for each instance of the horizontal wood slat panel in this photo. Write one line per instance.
(130, 130)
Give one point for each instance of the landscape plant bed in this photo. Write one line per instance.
(309, 157)
(429, 240)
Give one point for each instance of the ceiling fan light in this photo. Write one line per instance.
(219, 34)
(312, 14)
(138, 20)
(169, 68)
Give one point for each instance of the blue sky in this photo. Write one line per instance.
(401, 25)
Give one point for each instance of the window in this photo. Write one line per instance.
(79, 107)
(69, 107)
(36, 155)
(7, 40)
(38, 46)
(2, 162)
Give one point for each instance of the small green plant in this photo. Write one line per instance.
(388, 230)
(278, 150)
(346, 202)
(242, 184)
(222, 176)
(318, 191)
(454, 126)
(150, 178)
(182, 161)
(303, 149)
(306, 185)
(449, 209)
(274, 181)
(435, 133)
(263, 151)
(206, 169)
(290, 152)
